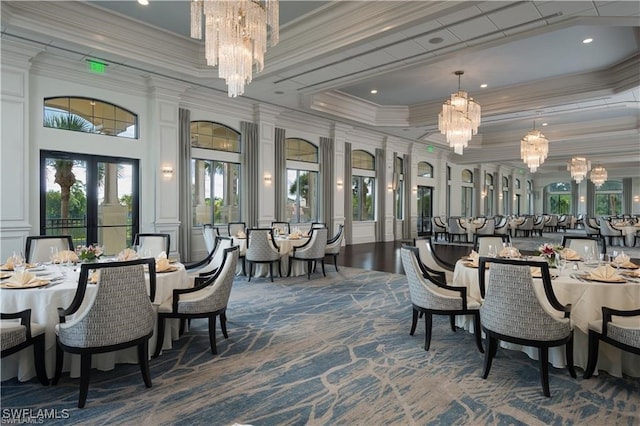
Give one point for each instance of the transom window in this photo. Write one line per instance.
(425, 169)
(210, 135)
(467, 176)
(301, 150)
(89, 116)
(362, 160)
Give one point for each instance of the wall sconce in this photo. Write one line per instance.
(339, 184)
(167, 171)
(515, 197)
(636, 198)
(500, 196)
(267, 179)
(414, 189)
(389, 187)
(582, 198)
(483, 194)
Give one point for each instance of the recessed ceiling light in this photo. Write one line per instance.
(483, 85)
(374, 91)
(587, 40)
(279, 92)
(436, 40)
(545, 124)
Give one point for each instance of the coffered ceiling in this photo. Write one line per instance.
(331, 55)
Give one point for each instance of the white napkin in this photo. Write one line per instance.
(570, 254)
(94, 277)
(605, 273)
(241, 234)
(536, 272)
(474, 257)
(127, 254)
(624, 261)
(9, 264)
(509, 252)
(21, 279)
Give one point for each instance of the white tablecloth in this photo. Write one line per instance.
(286, 248)
(629, 233)
(44, 303)
(587, 299)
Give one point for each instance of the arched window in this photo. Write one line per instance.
(215, 173)
(89, 116)
(425, 169)
(504, 195)
(517, 183)
(303, 175)
(609, 198)
(559, 197)
(466, 206)
(363, 185)
(488, 194)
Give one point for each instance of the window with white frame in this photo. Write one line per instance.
(609, 198)
(215, 173)
(466, 202)
(363, 185)
(398, 186)
(302, 181)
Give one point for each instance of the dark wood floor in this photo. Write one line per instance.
(385, 257)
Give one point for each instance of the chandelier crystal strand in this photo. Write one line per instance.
(534, 149)
(598, 176)
(459, 119)
(236, 36)
(579, 167)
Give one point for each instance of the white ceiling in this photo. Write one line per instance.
(331, 54)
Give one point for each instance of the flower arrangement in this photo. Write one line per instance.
(89, 253)
(550, 252)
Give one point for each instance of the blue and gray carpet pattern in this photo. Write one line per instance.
(330, 351)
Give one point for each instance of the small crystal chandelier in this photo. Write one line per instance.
(459, 119)
(579, 167)
(534, 148)
(235, 36)
(598, 176)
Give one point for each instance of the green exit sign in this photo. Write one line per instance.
(97, 67)
(430, 148)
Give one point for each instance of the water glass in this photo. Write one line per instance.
(18, 261)
(491, 251)
(53, 254)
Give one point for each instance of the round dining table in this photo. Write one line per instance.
(286, 245)
(586, 298)
(44, 303)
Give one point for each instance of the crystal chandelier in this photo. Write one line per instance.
(235, 36)
(598, 176)
(459, 119)
(534, 148)
(579, 167)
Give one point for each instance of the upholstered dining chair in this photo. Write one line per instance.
(209, 233)
(502, 226)
(38, 247)
(283, 226)
(430, 297)
(526, 227)
(512, 312)
(429, 257)
(311, 251)
(481, 243)
(564, 221)
(236, 228)
(620, 328)
(119, 315)
(334, 244)
(487, 227)
(456, 229)
(207, 299)
(538, 226)
(318, 225)
(578, 243)
(591, 226)
(16, 336)
(438, 227)
(551, 223)
(213, 260)
(152, 244)
(610, 233)
(262, 248)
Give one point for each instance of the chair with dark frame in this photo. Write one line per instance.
(310, 252)
(438, 227)
(283, 227)
(431, 259)
(236, 229)
(481, 243)
(511, 312)
(334, 244)
(120, 315)
(16, 336)
(207, 299)
(262, 248)
(429, 296)
(152, 243)
(578, 243)
(620, 328)
(38, 247)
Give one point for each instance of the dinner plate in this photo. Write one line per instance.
(4, 275)
(615, 281)
(37, 283)
(471, 265)
(625, 267)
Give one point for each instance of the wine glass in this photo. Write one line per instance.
(18, 261)
(613, 258)
(491, 251)
(587, 255)
(53, 254)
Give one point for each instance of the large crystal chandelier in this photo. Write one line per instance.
(459, 119)
(235, 36)
(579, 167)
(598, 176)
(534, 148)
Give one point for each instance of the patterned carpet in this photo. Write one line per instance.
(330, 351)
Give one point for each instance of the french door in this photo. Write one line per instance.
(92, 198)
(425, 209)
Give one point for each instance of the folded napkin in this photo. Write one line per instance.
(22, 279)
(241, 234)
(8, 266)
(536, 272)
(94, 277)
(162, 263)
(628, 265)
(605, 273)
(570, 254)
(621, 259)
(65, 256)
(473, 258)
(294, 234)
(127, 254)
(509, 252)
